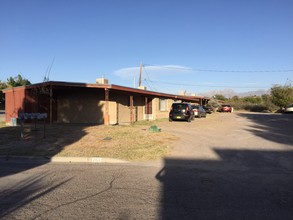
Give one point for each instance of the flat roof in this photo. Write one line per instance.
(106, 86)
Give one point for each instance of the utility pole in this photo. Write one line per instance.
(288, 82)
(134, 82)
(140, 73)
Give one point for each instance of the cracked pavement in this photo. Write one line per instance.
(240, 171)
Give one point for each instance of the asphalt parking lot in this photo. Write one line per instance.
(239, 131)
(227, 166)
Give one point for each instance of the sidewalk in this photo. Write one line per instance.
(60, 159)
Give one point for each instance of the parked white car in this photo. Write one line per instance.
(289, 108)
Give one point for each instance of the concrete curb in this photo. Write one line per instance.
(87, 160)
(57, 159)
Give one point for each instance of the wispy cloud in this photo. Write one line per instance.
(165, 68)
(152, 71)
(174, 78)
(252, 84)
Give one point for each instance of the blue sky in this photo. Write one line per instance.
(191, 45)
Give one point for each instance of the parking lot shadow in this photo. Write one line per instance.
(241, 185)
(33, 143)
(19, 190)
(26, 191)
(273, 127)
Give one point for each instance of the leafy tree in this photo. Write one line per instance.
(12, 82)
(220, 97)
(266, 97)
(282, 95)
(17, 81)
(253, 99)
(235, 98)
(3, 85)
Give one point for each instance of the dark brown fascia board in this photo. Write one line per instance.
(13, 88)
(155, 94)
(106, 86)
(70, 84)
(56, 83)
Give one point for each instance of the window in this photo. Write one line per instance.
(163, 105)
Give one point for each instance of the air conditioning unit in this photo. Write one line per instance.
(102, 81)
(142, 87)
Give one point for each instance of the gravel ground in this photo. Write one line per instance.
(2, 116)
(227, 166)
(242, 131)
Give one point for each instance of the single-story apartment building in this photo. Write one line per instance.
(99, 103)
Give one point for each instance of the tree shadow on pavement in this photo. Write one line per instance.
(22, 193)
(37, 151)
(240, 185)
(273, 127)
(34, 145)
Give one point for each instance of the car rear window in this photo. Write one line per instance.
(179, 106)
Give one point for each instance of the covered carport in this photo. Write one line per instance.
(67, 102)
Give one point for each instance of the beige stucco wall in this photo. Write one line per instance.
(112, 112)
(140, 113)
(75, 106)
(88, 106)
(121, 109)
(139, 102)
(156, 109)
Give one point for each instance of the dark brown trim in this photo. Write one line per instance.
(55, 84)
(131, 108)
(106, 114)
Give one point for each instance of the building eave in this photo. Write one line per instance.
(106, 86)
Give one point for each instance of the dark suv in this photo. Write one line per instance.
(181, 111)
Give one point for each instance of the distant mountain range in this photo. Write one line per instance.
(229, 93)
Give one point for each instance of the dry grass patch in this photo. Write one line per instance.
(129, 142)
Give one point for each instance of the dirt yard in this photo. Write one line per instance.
(127, 142)
(236, 139)
(226, 166)
(205, 138)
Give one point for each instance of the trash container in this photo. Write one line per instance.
(13, 122)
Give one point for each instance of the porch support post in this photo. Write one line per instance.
(146, 105)
(131, 109)
(106, 113)
(51, 105)
(146, 109)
